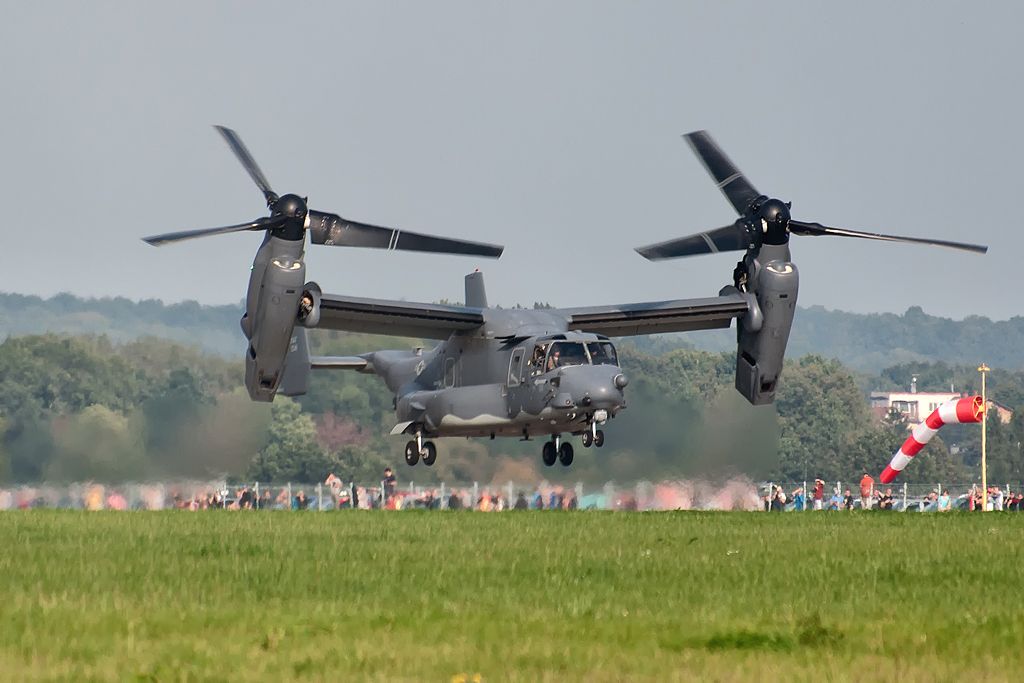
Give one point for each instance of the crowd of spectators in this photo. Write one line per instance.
(335, 494)
(776, 499)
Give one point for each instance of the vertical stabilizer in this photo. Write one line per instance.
(476, 295)
(295, 379)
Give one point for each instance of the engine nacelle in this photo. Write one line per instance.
(761, 346)
(272, 325)
(309, 305)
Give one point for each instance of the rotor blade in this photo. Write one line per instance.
(731, 181)
(729, 238)
(333, 230)
(258, 224)
(815, 229)
(238, 147)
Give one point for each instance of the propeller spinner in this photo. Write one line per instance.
(763, 220)
(290, 218)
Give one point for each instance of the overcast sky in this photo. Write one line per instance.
(552, 128)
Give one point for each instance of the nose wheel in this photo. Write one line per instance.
(417, 449)
(593, 437)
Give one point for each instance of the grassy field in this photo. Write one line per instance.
(520, 596)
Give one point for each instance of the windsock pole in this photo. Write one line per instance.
(957, 411)
(983, 369)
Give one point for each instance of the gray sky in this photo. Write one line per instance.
(552, 128)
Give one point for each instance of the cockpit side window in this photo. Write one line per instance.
(603, 353)
(562, 354)
(537, 359)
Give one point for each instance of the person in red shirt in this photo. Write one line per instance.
(867, 485)
(819, 493)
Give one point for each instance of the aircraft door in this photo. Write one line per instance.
(515, 367)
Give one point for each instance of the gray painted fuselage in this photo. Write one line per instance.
(502, 379)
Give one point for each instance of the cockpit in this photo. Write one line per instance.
(551, 355)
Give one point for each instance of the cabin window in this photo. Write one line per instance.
(536, 361)
(449, 372)
(515, 367)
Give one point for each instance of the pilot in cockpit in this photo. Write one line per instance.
(537, 361)
(553, 360)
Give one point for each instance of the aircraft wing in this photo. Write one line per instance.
(681, 315)
(395, 318)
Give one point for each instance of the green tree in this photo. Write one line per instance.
(292, 452)
(171, 415)
(28, 443)
(1003, 450)
(821, 413)
(96, 444)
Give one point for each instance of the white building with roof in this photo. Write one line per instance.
(916, 405)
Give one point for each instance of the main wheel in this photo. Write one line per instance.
(429, 453)
(588, 439)
(599, 438)
(549, 454)
(412, 453)
(565, 454)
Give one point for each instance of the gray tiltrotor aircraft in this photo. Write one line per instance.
(500, 372)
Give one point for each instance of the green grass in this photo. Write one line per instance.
(521, 596)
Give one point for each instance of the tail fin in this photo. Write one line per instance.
(298, 364)
(476, 295)
(295, 379)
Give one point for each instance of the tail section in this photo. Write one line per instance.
(295, 379)
(298, 364)
(476, 295)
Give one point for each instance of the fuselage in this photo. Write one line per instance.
(499, 382)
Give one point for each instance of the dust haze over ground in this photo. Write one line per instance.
(657, 438)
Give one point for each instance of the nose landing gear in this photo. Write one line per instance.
(593, 436)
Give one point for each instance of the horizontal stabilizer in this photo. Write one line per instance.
(338, 363)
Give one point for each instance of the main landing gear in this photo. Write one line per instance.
(418, 448)
(556, 449)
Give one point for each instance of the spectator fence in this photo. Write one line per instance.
(736, 494)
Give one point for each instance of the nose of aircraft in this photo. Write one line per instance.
(594, 386)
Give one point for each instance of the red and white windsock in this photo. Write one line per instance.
(957, 411)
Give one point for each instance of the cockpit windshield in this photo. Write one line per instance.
(562, 354)
(602, 353)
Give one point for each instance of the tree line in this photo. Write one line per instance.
(865, 343)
